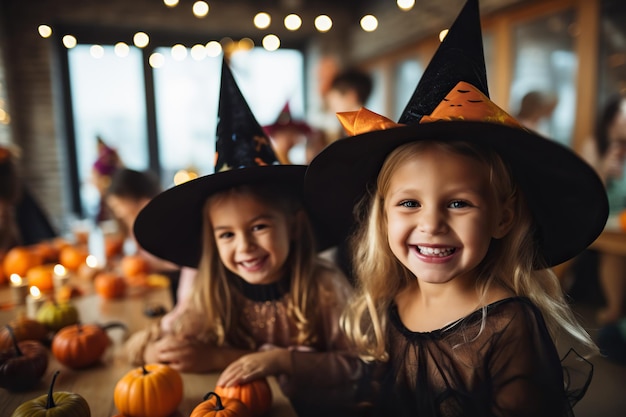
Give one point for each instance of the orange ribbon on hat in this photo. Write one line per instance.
(463, 102)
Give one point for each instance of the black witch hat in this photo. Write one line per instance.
(565, 195)
(170, 226)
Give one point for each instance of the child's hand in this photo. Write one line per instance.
(182, 354)
(256, 365)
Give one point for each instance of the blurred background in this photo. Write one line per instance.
(90, 85)
(143, 75)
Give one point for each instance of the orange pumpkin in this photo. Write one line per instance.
(24, 328)
(622, 220)
(72, 257)
(214, 405)
(153, 390)
(19, 260)
(256, 395)
(67, 292)
(40, 276)
(110, 285)
(81, 345)
(134, 265)
(47, 250)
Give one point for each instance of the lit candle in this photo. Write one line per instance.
(19, 289)
(60, 277)
(34, 301)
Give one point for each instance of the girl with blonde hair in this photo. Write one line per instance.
(462, 212)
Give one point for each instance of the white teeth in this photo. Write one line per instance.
(425, 250)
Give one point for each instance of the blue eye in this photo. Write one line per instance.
(409, 204)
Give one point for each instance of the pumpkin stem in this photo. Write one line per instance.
(50, 402)
(18, 352)
(145, 371)
(218, 400)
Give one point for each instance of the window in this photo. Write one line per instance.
(109, 101)
(545, 62)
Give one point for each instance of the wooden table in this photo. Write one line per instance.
(97, 384)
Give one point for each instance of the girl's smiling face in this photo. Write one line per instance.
(441, 214)
(252, 238)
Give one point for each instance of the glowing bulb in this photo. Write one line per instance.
(198, 52)
(245, 44)
(443, 34)
(271, 42)
(369, 23)
(405, 4)
(200, 9)
(262, 20)
(69, 41)
(45, 31)
(170, 3)
(96, 51)
(141, 39)
(213, 49)
(156, 60)
(121, 49)
(293, 22)
(179, 52)
(323, 23)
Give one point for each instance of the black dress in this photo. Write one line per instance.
(504, 365)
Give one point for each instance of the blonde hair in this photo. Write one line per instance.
(511, 261)
(213, 295)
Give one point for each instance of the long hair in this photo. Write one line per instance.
(213, 295)
(605, 119)
(511, 261)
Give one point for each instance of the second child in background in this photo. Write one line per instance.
(127, 194)
(263, 303)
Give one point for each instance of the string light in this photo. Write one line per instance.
(121, 49)
(271, 42)
(369, 23)
(442, 35)
(323, 23)
(405, 4)
(156, 60)
(69, 41)
(200, 9)
(45, 31)
(179, 52)
(262, 20)
(141, 39)
(96, 51)
(292, 22)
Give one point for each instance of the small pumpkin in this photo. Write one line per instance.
(54, 404)
(48, 251)
(24, 328)
(256, 395)
(67, 292)
(81, 345)
(19, 259)
(214, 405)
(134, 265)
(23, 365)
(153, 390)
(110, 285)
(40, 276)
(72, 257)
(55, 315)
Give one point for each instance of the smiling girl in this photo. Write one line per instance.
(460, 214)
(263, 303)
